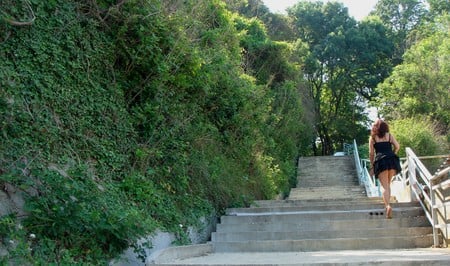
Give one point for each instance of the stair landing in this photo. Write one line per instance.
(402, 257)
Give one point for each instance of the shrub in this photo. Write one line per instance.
(420, 134)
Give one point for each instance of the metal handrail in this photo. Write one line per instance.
(372, 189)
(427, 193)
(424, 187)
(440, 174)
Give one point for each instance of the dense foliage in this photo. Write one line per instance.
(420, 86)
(119, 118)
(344, 62)
(401, 17)
(421, 135)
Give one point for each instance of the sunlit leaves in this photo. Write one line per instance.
(345, 62)
(420, 134)
(420, 85)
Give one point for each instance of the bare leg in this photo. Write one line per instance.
(391, 174)
(383, 177)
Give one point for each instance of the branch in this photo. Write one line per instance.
(20, 23)
(116, 6)
(23, 23)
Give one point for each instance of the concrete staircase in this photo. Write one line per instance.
(327, 177)
(327, 211)
(326, 220)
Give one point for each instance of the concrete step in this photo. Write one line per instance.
(326, 234)
(325, 183)
(315, 181)
(379, 257)
(304, 245)
(331, 188)
(325, 166)
(332, 196)
(317, 202)
(327, 192)
(324, 225)
(318, 216)
(326, 171)
(323, 206)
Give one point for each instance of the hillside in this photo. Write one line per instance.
(121, 118)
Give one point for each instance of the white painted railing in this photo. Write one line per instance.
(364, 177)
(415, 183)
(431, 191)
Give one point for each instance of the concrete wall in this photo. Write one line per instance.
(12, 201)
(400, 191)
(161, 241)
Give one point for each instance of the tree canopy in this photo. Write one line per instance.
(420, 85)
(345, 62)
(401, 17)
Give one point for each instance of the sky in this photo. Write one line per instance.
(356, 8)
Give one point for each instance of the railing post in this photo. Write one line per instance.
(412, 174)
(434, 216)
(357, 163)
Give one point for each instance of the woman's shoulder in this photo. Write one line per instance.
(385, 138)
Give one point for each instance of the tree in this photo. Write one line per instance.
(401, 17)
(278, 26)
(344, 63)
(439, 7)
(272, 64)
(420, 85)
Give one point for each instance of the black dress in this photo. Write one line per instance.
(385, 158)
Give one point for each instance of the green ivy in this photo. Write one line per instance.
(120, 119)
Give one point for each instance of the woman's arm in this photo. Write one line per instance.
(371, 155)
(371, 152)
(395, 143)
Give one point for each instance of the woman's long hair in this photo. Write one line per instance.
(379, 128)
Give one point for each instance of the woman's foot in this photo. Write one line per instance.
(388, 212)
